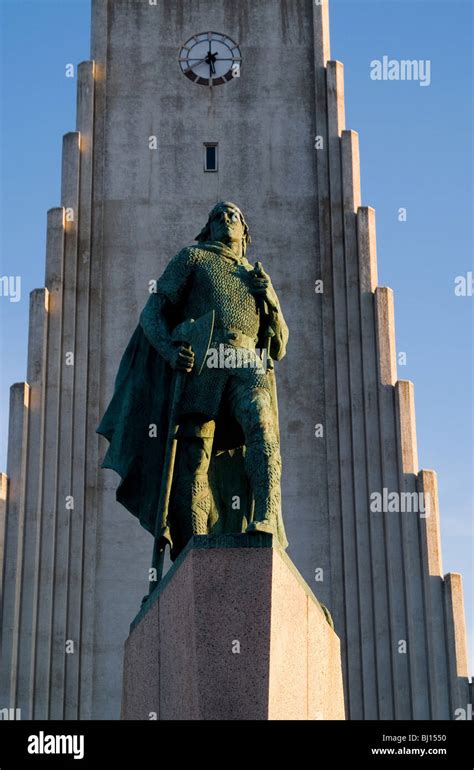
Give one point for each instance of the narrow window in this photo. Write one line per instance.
(210, 156)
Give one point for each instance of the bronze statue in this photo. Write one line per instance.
(193, 423)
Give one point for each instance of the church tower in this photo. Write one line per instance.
(155, 147)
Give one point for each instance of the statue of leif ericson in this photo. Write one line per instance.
(193, 421)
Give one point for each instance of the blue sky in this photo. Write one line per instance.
(416, 153)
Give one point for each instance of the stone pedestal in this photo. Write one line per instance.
(232, 632)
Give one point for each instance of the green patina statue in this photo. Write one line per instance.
(193, 422)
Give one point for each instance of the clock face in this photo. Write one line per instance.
(210, 59)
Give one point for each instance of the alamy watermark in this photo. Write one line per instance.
(464, 285)
(10, 286)
(401, 69)
(400, 502)
(42, 743)
(227, 357)
(10, 713)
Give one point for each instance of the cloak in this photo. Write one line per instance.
(136, 424)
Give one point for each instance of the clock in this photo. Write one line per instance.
(210, 59)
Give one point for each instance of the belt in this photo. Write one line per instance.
(233, 337)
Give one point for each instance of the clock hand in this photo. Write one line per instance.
(197, 62)
(213, 57)
(210, 59)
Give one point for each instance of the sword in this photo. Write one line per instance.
(195, 335)
(266, 332)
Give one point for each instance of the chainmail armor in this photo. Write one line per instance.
(200, 280)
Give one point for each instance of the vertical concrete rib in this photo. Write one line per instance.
(3, 523)
(432, 570)
(387, 375)
(93, 480)
(367, 247)
(385, 328)
(321, 51)
(99, 30)
(85, 119)
(456, 643)
(64, 502)
(346, 460)
(14, 533)
(329, 373)
(49, 460)
(351, 202)
(38, 321)
(405, 400)
(409, 518)
(431, 535)
(367, 251)
(335, 99)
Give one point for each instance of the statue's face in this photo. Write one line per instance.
(227, 227)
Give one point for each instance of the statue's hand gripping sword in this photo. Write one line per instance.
(266, 332)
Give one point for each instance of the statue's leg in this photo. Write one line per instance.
(252, 408)
(190, 500)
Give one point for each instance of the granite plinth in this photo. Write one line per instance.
(232, 632)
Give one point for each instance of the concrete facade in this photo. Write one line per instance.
(78, 573)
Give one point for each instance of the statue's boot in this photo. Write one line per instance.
(191, 506)
(263, 468)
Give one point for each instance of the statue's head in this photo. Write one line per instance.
(226, 224)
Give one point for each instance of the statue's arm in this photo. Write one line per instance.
(262, 287)
(159, 316)
(155, 324)
(280, 339)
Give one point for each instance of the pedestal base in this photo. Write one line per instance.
(232, 632)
